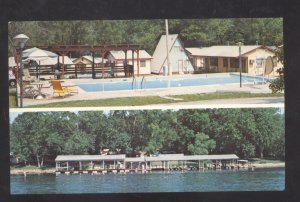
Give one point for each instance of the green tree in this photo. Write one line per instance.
(28, 137)
(277, 85)
(269, 130)
(93, 123)
(201, 145)
(78, 143)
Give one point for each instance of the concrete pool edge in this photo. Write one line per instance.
(84, 96)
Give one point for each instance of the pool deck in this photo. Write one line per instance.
(165, 92)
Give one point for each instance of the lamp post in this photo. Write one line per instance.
(240, 61)
(21, 40)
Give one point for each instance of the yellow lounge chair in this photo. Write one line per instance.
(58, 89)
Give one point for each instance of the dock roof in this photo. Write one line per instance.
(161, 157)
(119, 157)
(135, 159)
(191, 157)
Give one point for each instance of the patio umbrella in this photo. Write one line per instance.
(39, 55)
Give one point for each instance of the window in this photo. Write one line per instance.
(225, 62)
(234, 63)
(143, 63)
(214, 62)
(206, 62)
(259, 62)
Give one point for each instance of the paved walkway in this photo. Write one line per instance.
(83, 95)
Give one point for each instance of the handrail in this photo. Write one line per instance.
(142, 82)
(132, 82)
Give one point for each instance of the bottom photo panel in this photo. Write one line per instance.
(147, 151)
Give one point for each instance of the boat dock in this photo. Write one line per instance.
(102, 164)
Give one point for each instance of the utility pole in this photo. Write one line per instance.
(240, 61)
(167, 46)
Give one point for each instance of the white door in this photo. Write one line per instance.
(180, 66)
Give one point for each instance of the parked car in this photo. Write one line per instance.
(11, 78)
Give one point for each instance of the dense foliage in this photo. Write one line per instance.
(277, 85)
(193, 32)
(246, 132)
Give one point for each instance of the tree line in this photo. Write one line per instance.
(193, 32)
(246, 132)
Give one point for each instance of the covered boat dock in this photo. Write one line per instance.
(121, 163)
(83, 163)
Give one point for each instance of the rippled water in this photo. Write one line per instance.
(196, 181)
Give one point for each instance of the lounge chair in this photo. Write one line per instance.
(58, 89)
(28, 90)
(27, 77)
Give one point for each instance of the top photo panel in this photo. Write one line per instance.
(161, 62)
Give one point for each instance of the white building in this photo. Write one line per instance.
(179, 61)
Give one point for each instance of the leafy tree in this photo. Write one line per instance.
(269, 129)
(197, 120)
(201, 145)
(193, 32)
(79, 142)
(246, 132)
(93, 123)
(277, 85)
(28, 137)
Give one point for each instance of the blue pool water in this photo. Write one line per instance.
(166, 82)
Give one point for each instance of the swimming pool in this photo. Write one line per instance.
(156, 83)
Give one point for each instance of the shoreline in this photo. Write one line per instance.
(267, 165)
(52, 171)
(33, 171)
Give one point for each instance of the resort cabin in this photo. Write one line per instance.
(87, 61)
(141, 61)
(219, 59)
(179, 61)
(83, 65)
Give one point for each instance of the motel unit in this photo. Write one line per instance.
(141, 60)
(218, 59)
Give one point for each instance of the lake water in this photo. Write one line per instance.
(191, 181)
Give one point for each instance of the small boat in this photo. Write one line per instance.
(242, 164)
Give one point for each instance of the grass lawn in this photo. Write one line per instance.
(12, 98)
(31, 167)
(149, 100)
(264, 160)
